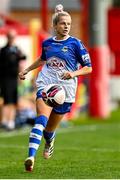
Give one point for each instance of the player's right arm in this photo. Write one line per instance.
(33, 66)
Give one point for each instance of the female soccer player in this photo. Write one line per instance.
(62, 56)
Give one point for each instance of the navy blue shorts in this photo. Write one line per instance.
(62, 109)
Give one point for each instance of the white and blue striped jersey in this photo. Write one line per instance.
(61, 56)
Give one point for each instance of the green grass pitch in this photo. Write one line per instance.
(86, 149)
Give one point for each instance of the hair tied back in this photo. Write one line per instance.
(59, 8)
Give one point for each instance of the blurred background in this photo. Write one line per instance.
(96, 23)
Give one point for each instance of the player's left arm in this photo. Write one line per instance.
(84, 59)
(83, 71)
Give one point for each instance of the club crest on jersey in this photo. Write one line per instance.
(56, 63)
(65, 49)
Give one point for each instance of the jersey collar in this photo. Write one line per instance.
(54, 38)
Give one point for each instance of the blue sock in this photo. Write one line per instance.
(48, 136)
(36, 134)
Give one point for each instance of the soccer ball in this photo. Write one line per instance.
(53, 95)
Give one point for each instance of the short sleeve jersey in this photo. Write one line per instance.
(61, 56)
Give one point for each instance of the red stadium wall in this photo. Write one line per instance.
(9, 23)
(99, 83)
(114, 37)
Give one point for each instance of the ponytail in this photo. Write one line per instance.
(58, 13)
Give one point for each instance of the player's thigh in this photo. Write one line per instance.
(57, 115)
(42, 108)
(54, 121)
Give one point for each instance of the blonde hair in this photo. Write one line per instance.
(58, 13)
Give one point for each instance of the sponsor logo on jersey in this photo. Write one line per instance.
(56, 63)
(85, 58)
(65, 49)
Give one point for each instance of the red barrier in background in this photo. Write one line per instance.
(99, 82)
(114, 28)
(116, 69)
(114, 37)
(8, 23)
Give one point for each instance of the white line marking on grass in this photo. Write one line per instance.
(59, 131)
(88, 128)
(12, 146)
(77, 128)
(12, 134)
(21, 132)
(105, 150)
(81, 149)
